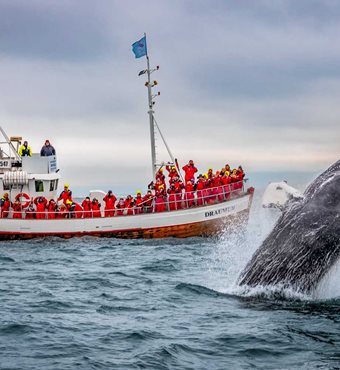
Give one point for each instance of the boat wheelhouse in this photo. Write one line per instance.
(28, 177)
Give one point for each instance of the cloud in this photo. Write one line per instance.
(247, 82)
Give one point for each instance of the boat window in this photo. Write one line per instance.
(56, 184)
(6, 187)
(39, 186)
(52, 182)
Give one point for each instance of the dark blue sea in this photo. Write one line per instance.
(93, 303)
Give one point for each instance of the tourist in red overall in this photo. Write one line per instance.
(147, 201)
(5, 205)
(128, 206)
(172, 197)
(110, 201)
(63, 212)
(41, 204)
(120, 207)
(160, 205)
(75, 209)
(17, 209)
(209, 191)
(66, 194)
(218, 188)
(179, 189)
(234, 182)
(189, 196)
(30, 211)
(86, 204)
(190, 171)
(138, 203)
(240, 174)
(200, 190)
(172, 172)
(95, 206)
(226, 181)
(52, 209)
(160, 176)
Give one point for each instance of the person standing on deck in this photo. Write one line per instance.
(41, 204)
(17, 209)
(86, 204)
(5, 205)
(66, 194)
(190, 171)
(47, 149)
(110, 201)
(25, 150)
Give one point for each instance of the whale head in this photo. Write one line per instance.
(305, 242)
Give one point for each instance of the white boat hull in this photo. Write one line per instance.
(197, 221)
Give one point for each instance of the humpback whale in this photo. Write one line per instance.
(304, 243)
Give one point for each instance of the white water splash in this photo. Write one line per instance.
(232, 253)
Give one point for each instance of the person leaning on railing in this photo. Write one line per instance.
(47, 149)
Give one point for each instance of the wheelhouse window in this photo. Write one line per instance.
(39, 186)
(52, 184)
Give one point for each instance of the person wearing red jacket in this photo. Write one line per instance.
(234, 182)
(189, 196)
(75, 209)
(66, 194)
(179, 188)
(62, 212)
(30, 211)
(226, 181)
(200, 190)
(86, 204)
(17, 209)
(172, 172)
(120, 207)
(95, 206)
(52, 209)
(217, 187)
(172, 197)
(41, 204)
(190, 171)
(110, 201)
(5, 205)
(240, 174)
(147, 201)
(160, 205)
(128, 205)
(131, 208)
(138, 203)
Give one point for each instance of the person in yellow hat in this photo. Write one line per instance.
(66, 194)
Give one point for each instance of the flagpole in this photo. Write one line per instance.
(151, 118)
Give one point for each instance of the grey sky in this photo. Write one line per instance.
(251, 82)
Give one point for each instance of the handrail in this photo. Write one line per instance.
(184, 201)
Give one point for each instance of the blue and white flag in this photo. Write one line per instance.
(139, 47)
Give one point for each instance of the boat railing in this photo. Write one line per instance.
(154, 204)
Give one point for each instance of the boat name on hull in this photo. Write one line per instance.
(219, 211)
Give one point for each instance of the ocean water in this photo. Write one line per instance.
(93, 303)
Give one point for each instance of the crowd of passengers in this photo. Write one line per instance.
(162, 195)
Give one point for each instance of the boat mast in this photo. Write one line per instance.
(151, 119)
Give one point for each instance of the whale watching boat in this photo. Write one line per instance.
(27, 178)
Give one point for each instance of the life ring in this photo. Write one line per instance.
(26, 196)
